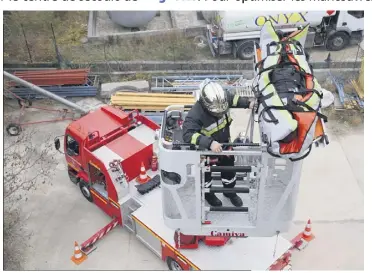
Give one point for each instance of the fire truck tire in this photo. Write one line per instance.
(13, 129)
(85, 191)
(73, 177)
(173, 265)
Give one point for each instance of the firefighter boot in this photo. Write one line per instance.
(212, 200)
(234, 199)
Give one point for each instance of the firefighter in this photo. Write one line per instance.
(207, 124)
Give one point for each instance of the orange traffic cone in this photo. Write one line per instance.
(307, 234)
(143, 177)
(78, 256)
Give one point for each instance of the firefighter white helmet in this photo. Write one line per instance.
(214, 99)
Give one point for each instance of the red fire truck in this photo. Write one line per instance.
(110, 158)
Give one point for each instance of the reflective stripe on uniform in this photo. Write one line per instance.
(228, 181)
(213, 125)
(210, 130)
(235, 100)
(207, 184)
(194, 138)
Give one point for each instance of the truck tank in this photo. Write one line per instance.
(244, 21)
(131, 18)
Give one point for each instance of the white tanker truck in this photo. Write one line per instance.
(234, 32)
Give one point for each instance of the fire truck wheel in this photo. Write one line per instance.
(173, 265)
(85, 191)
(73, 177)
(13, 129)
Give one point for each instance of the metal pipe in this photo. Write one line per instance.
(198, 77)
(247, 169)
(188, 88)
(239, 176)
(229, 190)
(46, 93)
(232, 209)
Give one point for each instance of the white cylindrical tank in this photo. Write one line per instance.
(131, 18)
(244, 21)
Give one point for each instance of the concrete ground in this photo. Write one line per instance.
(351, 53)
(331, 194)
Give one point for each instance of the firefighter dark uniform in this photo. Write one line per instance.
(201, 127)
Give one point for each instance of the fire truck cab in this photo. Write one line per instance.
(96, 143)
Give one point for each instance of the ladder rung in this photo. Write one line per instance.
(233, 209)
(238, 177)
(231, 169)
(229, 190)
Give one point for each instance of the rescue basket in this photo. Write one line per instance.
(267, 185)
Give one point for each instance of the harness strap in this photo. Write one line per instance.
(281, 65)
(228, 123)
(271, 115)
(273, 119)
(292, 159)
(290, 110)
(262, 98)
(283, 52)
(282, 80)
(265, 97)
(324, 117)
(304, 156)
